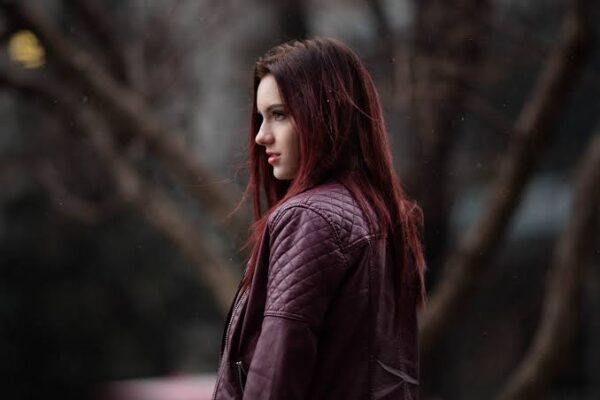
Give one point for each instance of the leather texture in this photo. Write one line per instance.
(325, 316)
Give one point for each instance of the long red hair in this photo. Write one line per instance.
(336, 112)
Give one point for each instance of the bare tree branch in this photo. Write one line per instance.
(396, 57)
(67, 203)
(449, 48)
(11, 165)
(98, 25)
(218, 275)
(528, 48)
(490, 115)
(561, 311)
(384, 30)
(533, 128)
(127, 107)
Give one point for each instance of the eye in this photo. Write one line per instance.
(278, 115)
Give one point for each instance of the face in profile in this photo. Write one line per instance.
(277, 133)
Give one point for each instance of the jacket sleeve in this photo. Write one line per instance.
(306, 265)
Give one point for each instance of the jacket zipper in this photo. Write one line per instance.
(241, 374)
(227, 334)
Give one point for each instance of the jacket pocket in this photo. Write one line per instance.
(241, 374)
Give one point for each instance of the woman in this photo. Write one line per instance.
(327, 306)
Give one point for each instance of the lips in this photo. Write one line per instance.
(273, 157)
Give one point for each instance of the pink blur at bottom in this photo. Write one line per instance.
(179, 387)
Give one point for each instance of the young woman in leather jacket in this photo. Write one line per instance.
(327, 308)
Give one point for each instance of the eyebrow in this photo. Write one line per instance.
(271, 107)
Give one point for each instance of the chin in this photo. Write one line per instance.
(282, 175)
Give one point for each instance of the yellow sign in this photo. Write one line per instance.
(25, 48)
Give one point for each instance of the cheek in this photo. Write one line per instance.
(290, 140)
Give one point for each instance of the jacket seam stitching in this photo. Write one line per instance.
(286, 315)
(318, 212)
(362, 240)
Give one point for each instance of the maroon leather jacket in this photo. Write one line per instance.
(324, 317)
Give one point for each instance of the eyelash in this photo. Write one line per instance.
(276, 115)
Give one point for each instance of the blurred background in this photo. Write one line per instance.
(122, 158)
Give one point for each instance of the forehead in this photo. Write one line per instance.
(267, 93)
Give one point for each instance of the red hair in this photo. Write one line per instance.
(336, 112)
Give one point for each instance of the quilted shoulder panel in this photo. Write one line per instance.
(335, 202)
(305, 264)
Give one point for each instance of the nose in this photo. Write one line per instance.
(264, 136)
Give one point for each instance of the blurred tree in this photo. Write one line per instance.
(126, 107)
(532, 131)
(562, 304)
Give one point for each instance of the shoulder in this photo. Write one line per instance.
(330, 204)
